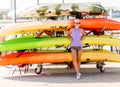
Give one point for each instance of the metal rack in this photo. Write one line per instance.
(116, 49)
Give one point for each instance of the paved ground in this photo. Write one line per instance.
(58, 76)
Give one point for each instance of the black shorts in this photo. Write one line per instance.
(77, 48)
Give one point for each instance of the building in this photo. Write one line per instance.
(3, 13)
(116, 13)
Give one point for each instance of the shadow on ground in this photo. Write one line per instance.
(89, 75)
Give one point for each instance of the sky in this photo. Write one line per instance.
(23, 4)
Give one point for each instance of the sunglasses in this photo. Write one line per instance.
(77, 22)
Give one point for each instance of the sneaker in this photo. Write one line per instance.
(78, 75)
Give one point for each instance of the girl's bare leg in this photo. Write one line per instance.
(79, 60)
(74, 60)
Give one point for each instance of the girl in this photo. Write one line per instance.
(76, 36)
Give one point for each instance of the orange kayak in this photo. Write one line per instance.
(34, 58)
(58, 57)
(99, 23)
(87, 24)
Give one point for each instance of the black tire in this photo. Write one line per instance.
(38, 70)
(98, 66)
(102, 69)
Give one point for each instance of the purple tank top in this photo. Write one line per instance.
(76, 37)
